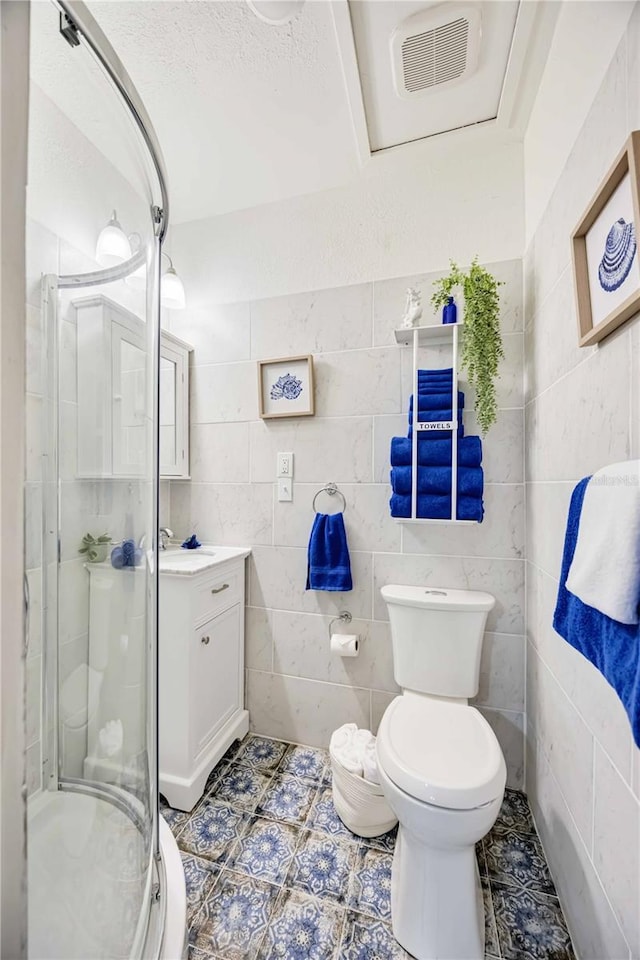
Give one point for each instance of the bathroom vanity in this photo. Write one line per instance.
(200, 665)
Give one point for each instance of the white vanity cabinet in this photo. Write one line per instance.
(113, 430)
(200, 670)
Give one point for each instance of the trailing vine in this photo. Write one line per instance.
(482, 341)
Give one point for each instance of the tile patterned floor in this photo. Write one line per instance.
(273, 873)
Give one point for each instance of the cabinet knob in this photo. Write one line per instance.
(205, 640)
(225, 586)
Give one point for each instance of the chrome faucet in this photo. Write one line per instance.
(165, 535)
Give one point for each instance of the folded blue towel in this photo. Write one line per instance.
(436, 401)
(431, 507)
(436, 452)
(445, 413)
(191, 543)
(612, 647)
(329, 565)
(433, 374)
(438, 480)
(126, 554)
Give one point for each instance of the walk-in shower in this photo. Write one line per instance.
(104, 875)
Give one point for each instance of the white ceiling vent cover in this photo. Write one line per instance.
(437, 47)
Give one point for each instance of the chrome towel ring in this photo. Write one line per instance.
(331, 489)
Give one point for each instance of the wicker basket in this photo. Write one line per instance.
(360, 804)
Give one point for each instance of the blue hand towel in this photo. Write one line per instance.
(436, 401)
(436, 452)
(437, 507)
(329, 566)
(191, 543)
(438, 480)
(612, 647)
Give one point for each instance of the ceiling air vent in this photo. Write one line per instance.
(435, 48)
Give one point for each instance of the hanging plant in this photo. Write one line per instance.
(482, 341)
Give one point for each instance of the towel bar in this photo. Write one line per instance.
(331, 489)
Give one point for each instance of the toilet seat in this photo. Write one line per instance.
(441, 752)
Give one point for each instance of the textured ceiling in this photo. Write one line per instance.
(246, 113)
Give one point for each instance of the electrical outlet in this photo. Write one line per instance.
(285, 465)
(285, 490)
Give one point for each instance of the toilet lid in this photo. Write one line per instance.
(443, 753)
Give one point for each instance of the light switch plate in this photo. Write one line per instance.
(285, 490)
(285, 465)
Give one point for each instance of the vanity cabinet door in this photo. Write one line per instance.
(216, 677)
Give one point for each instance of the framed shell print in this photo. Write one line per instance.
(285, 387)
(605, 252)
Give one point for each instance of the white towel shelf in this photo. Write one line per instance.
(430, 335)
(434, 335)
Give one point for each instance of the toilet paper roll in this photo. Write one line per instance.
(345, 644)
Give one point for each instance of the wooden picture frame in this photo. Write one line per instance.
(606, 295)
(285, 387)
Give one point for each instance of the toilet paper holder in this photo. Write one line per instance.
(344, 617)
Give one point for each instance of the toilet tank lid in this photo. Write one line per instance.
(437, 598)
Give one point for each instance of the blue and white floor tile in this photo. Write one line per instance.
(530, 925)
(260, 753)
(200, 876)
(302, 928)
(308, 763)
(272, 872)
(287, 799)
(234, 919)
(265, 850)
(371, 884)
(324, 819)
(212, 830)
(322, 867)
(241, 786)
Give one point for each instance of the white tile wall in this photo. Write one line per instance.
(296, 688)
(581, 412)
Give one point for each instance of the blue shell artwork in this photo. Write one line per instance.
(287, 387)
(619, 251)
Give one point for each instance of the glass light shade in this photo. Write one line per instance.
(172, 291)
(275, 12)
(113, 246)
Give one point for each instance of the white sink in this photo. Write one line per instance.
(180, 562)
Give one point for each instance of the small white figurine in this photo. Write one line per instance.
(412, 309)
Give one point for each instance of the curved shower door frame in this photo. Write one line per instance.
(83, 24)
(78, 26)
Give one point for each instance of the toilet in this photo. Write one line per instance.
(441, 769)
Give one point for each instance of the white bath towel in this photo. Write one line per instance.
(343, 747)
(370, 762)
(605, 571)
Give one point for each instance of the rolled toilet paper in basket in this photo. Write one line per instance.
(345, 644)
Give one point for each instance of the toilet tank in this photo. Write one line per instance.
(436, 634)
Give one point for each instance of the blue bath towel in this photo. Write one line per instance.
(436, 452)
(437, 507)
(329, 565)
(612, 647)
(437, 480)
(436, 401)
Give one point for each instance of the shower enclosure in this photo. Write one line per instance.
(104, 875)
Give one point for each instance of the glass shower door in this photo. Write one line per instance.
(92, 488)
